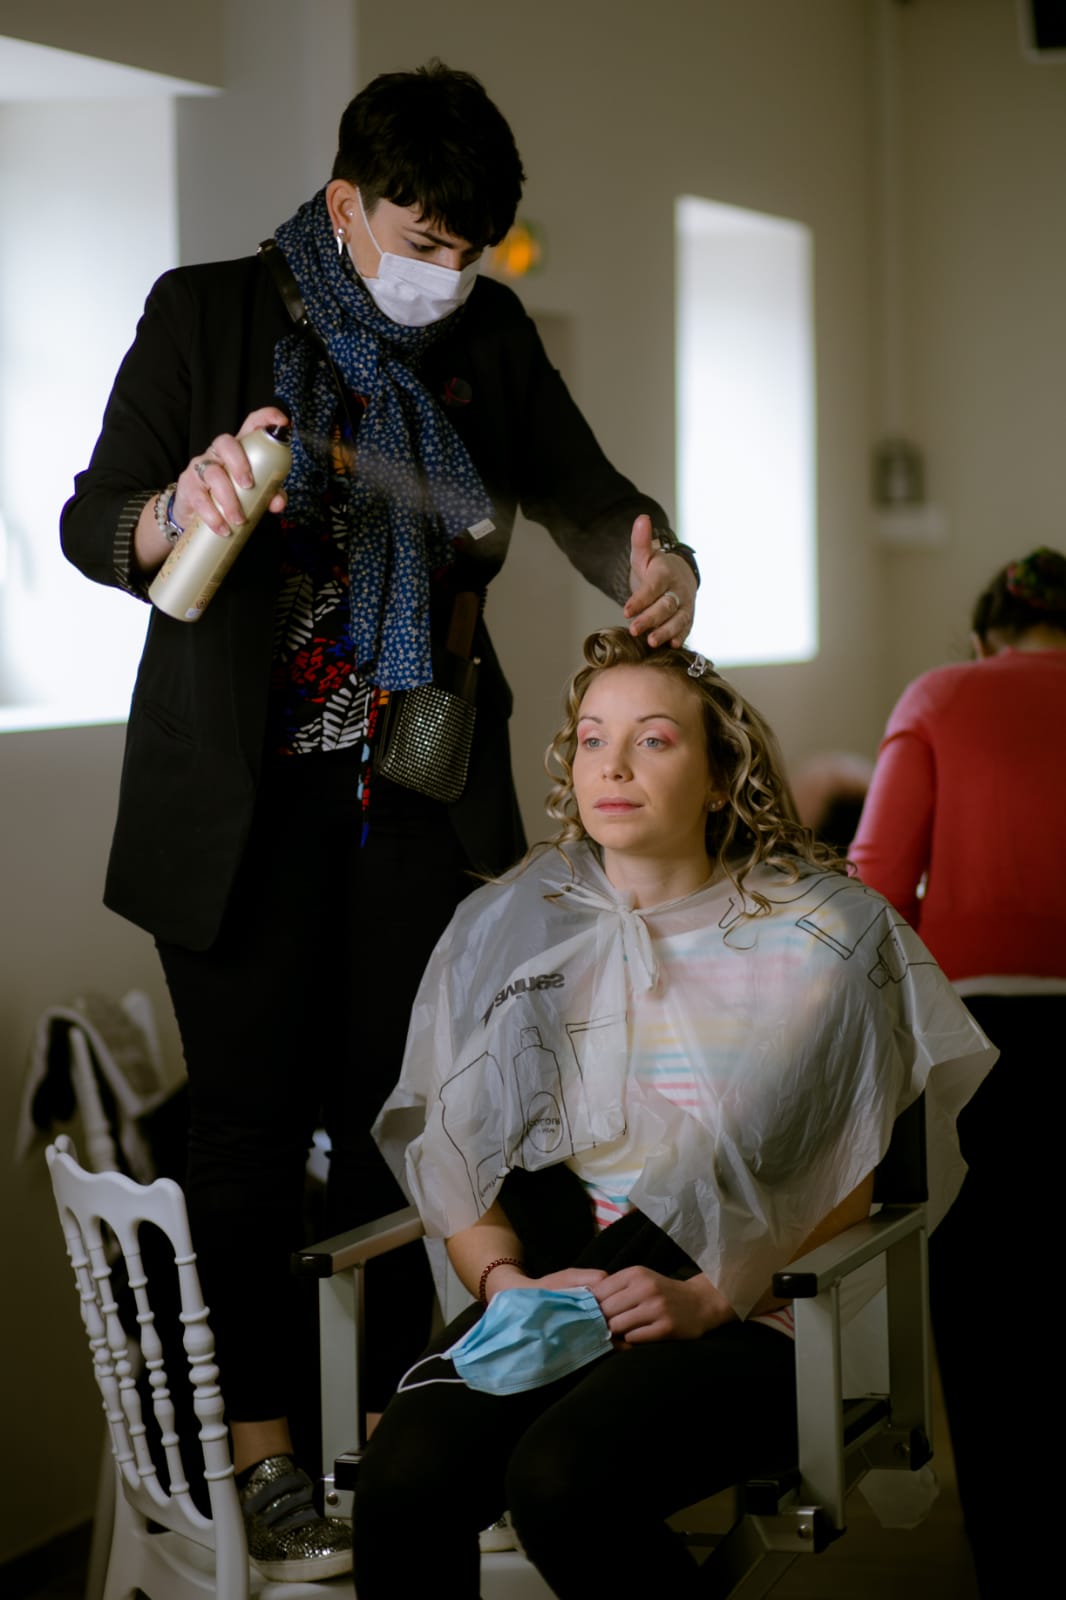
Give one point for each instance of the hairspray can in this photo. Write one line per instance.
(186, 582)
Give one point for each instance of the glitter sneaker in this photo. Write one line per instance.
(501, 1536)
(287, 1539)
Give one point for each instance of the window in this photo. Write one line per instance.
(88, 197)
(746, 430)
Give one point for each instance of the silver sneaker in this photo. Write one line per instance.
(501, 1536)
(287, 1539)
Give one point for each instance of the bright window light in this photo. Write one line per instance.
(746, 430)
(68, 308)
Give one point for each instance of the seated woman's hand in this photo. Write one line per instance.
(642, 1306)
(570, 1278)
(508, 1275)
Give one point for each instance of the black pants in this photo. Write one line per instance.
(296, 1018)
(991, 1282)
(589, 1467)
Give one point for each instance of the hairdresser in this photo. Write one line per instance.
(294, 891)
(963, 831)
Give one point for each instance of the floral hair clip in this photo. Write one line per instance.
(699, 665)
(1033, 580)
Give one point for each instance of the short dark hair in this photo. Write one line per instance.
(1022, 595)
(433, 138)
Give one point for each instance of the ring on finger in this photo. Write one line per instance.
(201, 466)
(668, 594)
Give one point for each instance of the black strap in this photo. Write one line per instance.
(285, 283)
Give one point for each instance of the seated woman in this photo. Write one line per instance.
(652, 1065)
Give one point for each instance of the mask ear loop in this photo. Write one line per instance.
(426, 1383)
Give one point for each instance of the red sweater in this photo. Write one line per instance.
(970, 788)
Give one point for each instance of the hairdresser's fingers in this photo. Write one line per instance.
(662, 600)
(204, 491)
(264, 417)
(669, 602)
(205, 488)
(642, 547)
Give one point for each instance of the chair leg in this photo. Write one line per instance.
(103, 1525)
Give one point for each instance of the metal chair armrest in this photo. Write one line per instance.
(359, 1245)
(833, 1261)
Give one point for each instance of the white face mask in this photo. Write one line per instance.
(415, 293)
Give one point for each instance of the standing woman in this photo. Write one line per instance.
(968, 803)
(646, 1069)
(294, 899)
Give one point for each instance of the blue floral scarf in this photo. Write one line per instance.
(414, 489)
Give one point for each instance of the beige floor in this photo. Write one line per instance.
(930, 1562)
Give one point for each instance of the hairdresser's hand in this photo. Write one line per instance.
(662, 598)
(642, 1306)
(204, 489)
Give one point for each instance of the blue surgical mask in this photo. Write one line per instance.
(526, 1338)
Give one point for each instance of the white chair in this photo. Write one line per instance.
(160, 1544)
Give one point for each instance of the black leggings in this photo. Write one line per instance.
(296, 1018)
(588, 1466)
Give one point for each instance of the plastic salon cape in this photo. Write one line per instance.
(807, 1030)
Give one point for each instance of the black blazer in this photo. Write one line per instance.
(202, 359)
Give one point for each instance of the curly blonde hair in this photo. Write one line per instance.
(758, 824)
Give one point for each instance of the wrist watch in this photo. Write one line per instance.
(671, 545)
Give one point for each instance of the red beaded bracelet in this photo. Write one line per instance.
(500, 1261)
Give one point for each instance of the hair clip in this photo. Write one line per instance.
(700, 665)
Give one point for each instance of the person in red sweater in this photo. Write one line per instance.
(963, 832)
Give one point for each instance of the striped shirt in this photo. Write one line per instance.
(659, 1067)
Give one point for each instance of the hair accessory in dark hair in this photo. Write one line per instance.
(700, 665)
(1023, 595)
(1038, 579)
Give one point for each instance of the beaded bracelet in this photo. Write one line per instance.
(164, 514)
(500, 1261)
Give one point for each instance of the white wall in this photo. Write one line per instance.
(982, 134)
(65, 323)
(180, 40)
(617, 109)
